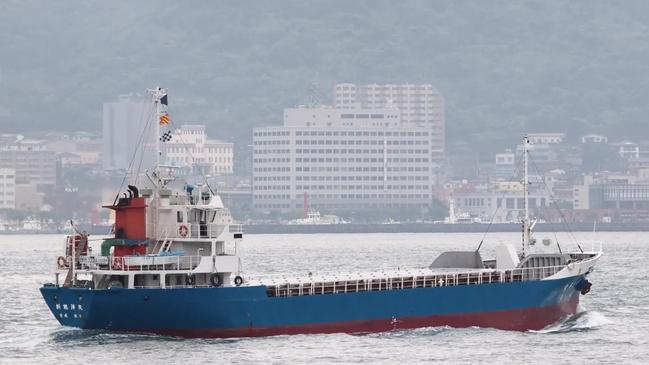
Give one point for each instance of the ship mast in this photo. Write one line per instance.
(527, 227)
(158, 180)
(157, 94)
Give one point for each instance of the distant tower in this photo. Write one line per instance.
(451, 211)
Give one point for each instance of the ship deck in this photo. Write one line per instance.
(286, 286)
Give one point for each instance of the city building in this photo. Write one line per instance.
(7, 188)
(29, 197)
(504, 165)
(30, 159)
(342, 159)
(421, 106)
(502, 205)
(611, 191)
(636, 156)
(594, 138)
(548, 151)
(628, 150)
(190, 147)
(506, 158)
(637, 163)
(546, 138)
(614, 196)
(78, 148)
(125, 131)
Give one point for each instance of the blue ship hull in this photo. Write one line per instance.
(248, 311)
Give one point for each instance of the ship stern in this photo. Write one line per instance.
(70, 306)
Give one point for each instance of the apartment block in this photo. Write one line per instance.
(342, 159)
(421, 106)
(76, 149)
(7, 188)
(30, 159)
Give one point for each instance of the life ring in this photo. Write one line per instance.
(183, 231)
(117, 263)
(61, 262)
(190, 280)
(238, 280)
(215, 279)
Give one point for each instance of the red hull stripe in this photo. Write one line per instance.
(517, 320)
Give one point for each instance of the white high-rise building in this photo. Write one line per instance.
(7, 188)
(126, 128)
(30, 159)
(342, 159)
(189, 146)
(420, 105)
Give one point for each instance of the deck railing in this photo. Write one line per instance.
(432, 280)
(211, 230)
(207, 230)
(137, 263)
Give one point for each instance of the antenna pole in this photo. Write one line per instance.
(526, 183)
(158, 152)
(157, 94)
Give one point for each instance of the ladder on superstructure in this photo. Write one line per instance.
(164, 246)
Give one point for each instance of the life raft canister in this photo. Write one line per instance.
(183, 231)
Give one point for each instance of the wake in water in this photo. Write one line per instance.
(578, 322)
(76, 337)
(411, 332)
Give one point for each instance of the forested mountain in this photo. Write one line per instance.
(504, 66)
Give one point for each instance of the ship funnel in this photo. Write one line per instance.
(133, 188)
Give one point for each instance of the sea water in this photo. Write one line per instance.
(611, 327)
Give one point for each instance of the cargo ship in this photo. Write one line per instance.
(173, 267)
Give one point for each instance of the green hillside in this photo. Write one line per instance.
(503, 66)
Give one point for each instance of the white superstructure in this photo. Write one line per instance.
(164, 236)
